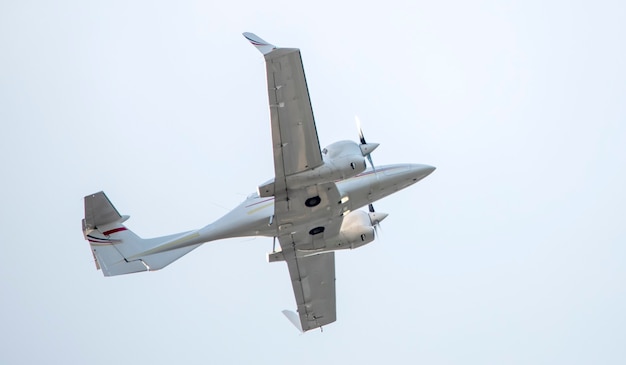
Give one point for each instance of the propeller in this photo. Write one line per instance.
(366, 148)
(376, 218)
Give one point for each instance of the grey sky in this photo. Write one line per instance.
(512, 252)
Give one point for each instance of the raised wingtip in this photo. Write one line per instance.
(263, 46)
(294, 319)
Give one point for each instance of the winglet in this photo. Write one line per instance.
(294, 319)
(259, 43)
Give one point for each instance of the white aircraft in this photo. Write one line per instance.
(310, 205)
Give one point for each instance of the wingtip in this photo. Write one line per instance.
(263, 46)
(294, 319)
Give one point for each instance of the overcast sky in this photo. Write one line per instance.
(512, 252)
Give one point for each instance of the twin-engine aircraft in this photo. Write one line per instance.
(311, 205)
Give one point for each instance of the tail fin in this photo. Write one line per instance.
(115, 248)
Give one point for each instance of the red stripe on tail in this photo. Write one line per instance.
(114, 231)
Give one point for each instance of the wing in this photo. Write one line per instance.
(313, 281)
(294, 136)
(302, 226)
(303, 230)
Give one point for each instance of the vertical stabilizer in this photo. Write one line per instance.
(116, 249)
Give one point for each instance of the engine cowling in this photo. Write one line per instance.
(356, 231)
(345, 158)
(342, 160)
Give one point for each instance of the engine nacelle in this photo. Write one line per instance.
(342, 160)
(345, 158)
(356, 231)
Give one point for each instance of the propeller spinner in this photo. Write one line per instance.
(376, 218)
(366, 148)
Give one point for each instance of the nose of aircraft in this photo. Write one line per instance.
(421, 171)
(392, 178)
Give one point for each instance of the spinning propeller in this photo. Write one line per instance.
(366, 148)
(376, 218)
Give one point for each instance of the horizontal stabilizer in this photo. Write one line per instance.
(263, 46)
(100, 212)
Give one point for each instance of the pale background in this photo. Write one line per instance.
(511, 252)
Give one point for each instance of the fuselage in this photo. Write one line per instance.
(254, 216)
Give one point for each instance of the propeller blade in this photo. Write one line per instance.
(366, 148)
(359, 129)
(375, 219)
(378, 230)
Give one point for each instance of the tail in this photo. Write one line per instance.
(116, 249)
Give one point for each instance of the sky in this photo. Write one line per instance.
(512, 251)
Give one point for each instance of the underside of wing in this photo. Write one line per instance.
(313, 281)
(294, 136)
(304, 214)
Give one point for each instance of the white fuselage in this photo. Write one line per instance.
(254, 216)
